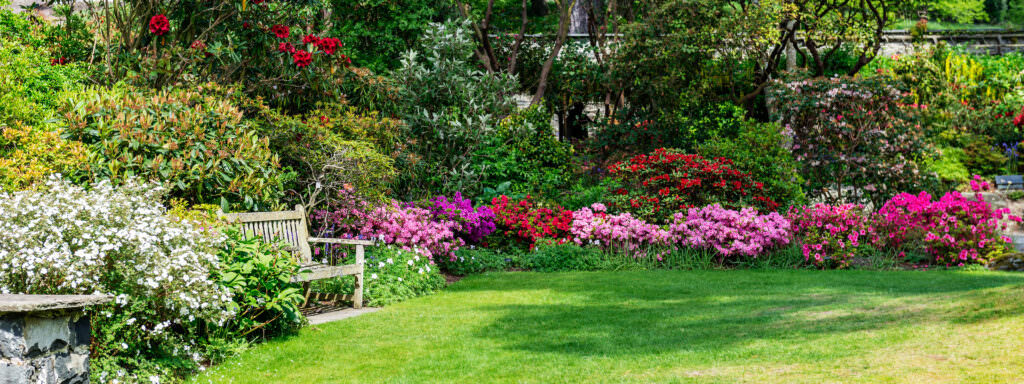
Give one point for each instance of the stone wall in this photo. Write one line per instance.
(44, 350)
(45, 339)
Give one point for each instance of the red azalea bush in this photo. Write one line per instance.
(831, 235)
(953, 230)
(657, 185)
(522, 223)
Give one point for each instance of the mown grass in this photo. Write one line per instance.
(736, 326)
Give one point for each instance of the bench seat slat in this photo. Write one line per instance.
(324, 271)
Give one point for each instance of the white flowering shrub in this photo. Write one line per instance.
(391, 275)
(65, 239)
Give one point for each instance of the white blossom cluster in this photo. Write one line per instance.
(64, 239)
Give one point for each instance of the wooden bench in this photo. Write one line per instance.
(291, 227)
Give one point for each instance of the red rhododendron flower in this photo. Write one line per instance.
(1019, 120)
(310, 39)
(328, 45)
(59, 61)
(198, 44)
(302, 58)
(158, 25)
(286, 47)
(281, 31)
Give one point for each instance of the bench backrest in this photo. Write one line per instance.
(286, 226)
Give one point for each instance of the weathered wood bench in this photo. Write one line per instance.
(291, 227)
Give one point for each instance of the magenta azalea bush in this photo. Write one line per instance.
(471, 224)
(732, 233)
(954, 230)
(623, 232)
(831, 235)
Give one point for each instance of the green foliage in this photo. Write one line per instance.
(29, 154)
(961, 11)
(391, 275)
(760, 149)
(688, 126)
(949, 166)
(378, 31)
(259, 276)
(329, 149)
(524, 153)
(449, 107)
(981, 158)
(475, 260)
(199, 145)
(550, 256)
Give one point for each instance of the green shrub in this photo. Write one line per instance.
(760, 149)
(949, 166)
(376, 34)
(259, 275)
(391, 275)
(549, 256)
(475, 260)
(524, 153)
(449, 106)
(199, 145)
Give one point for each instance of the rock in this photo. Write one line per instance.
(1008, 262)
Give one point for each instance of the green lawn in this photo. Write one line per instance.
(669, 326)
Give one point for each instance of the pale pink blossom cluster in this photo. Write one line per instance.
(594, 226)
(732, 233)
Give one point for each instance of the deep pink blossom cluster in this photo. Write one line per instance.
(594, 226)
(471, 224)
(831, 235)
(732, 233)
(954, 230)
(412, 227)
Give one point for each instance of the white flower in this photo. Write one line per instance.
(154, 380)
(391, 261)
(428, 268)
(373, 276)
(421, 271)
(399, 279)
(410, 262)
(124, 345)
(381, 265)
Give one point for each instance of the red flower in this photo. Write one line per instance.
(324, 119)
(302, 58)
(328, 45)
(285, 47)
(281, 31)
(310, 39)
(198, 44)
(158, 25)
(1019, 120)
(59, 61)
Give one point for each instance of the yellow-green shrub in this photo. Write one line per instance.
(28, 154)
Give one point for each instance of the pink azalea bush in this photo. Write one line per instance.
(954, 230)
(732, 233)
(435, 228)
(594, 226)
(831, 235)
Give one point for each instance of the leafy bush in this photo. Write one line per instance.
(524, 153)
(199, 145)
(852, 139)
(67, 240)
(555, 256)
(831, 236)
(657, 185)
(960, 11)
(449, 107)
(949, 166)
(760, 149)
(475, 260)
(953, 230)
(259, 275)
(520, 224)
(743, 233)
(690, 126)
(376, 34)
(391, 275)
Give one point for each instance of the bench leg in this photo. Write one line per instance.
(357, 293)
(306, 291)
